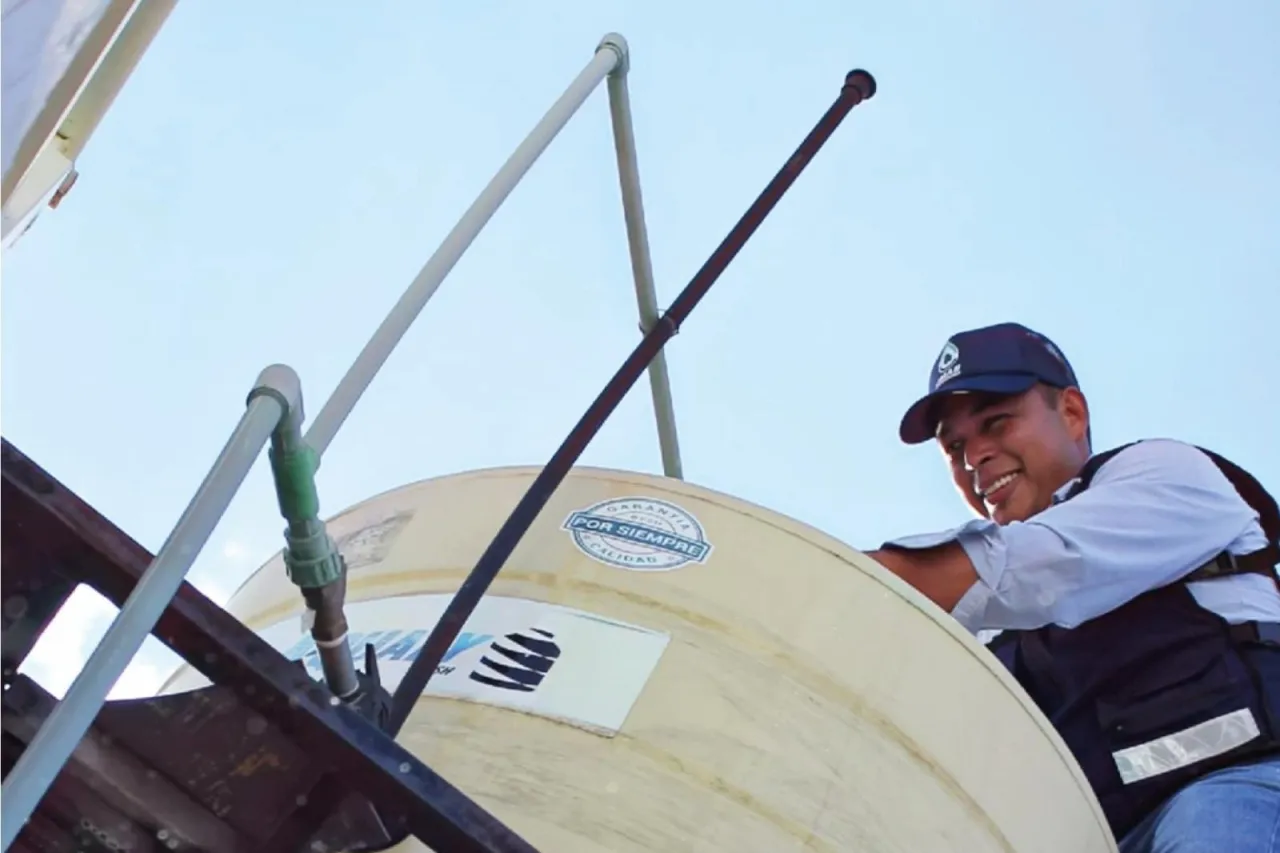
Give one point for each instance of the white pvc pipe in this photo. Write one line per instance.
(375, 353)
(624, 143)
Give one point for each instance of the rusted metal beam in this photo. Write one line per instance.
(27, 609)
(33, 594)
(134, 789)
(49, 524)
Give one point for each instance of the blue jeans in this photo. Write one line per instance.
(1236, 810)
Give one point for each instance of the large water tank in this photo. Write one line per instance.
(660, 667)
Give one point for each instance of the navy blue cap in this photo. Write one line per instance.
(1007, 358)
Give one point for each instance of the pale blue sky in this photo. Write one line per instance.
(268, 184)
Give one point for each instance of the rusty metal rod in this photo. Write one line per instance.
(858, 87)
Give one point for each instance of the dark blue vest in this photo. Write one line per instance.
(1152, 668)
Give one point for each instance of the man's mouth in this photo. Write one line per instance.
(1000, 488)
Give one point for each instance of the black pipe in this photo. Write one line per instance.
(858, 87)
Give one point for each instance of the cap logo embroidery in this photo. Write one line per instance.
(948, 363)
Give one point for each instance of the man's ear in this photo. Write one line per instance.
(1074, 409)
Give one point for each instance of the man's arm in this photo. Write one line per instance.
(1154, 512)
(943, 573)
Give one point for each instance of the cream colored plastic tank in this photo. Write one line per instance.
(660, 667)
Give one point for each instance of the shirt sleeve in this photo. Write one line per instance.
(1153, 513)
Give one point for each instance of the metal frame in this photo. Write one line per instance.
(438, 814)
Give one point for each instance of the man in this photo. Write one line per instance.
(1135, 593)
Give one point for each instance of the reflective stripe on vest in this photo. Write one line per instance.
(1201, 742)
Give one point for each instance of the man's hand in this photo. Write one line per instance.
(944, 574)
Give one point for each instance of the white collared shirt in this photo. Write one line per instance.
(1153, 513)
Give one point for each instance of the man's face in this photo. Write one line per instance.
(1009, 454)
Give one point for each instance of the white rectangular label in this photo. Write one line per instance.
(541, 658)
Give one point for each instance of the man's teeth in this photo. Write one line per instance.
(1000, 484)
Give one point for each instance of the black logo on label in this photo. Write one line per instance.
(520, 664)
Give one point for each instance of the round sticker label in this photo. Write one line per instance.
(640, 534)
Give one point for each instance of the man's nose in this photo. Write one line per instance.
(977, 454)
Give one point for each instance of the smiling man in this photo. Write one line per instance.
(1135, 592)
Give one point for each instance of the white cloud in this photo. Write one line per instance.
(60, 653)
(220, 570)
(235, 551)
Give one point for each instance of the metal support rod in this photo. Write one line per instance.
(624, 143)
(423, 287)
(858, 86)
(49, 750)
